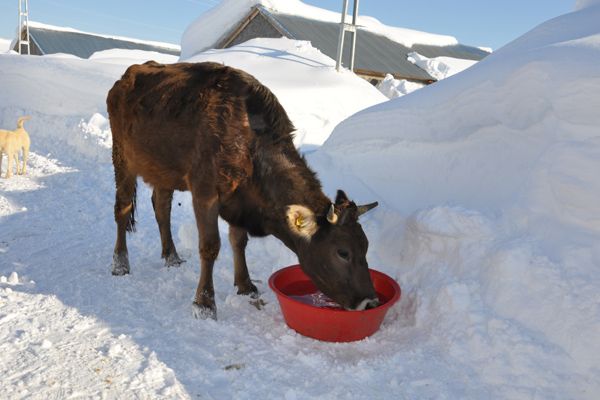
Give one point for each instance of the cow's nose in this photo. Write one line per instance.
(372, 304)
(366, 304)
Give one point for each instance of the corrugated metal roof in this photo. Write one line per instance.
(84, 45)
(373, 52)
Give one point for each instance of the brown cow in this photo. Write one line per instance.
(219, 133)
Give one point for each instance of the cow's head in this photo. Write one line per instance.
(332, 250)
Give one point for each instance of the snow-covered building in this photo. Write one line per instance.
(48, 39)
(380, 49)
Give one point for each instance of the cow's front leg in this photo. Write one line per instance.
(238, 237)
(207, 214)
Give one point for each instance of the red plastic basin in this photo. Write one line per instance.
(328, 324)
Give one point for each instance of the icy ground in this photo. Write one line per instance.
(488, 219)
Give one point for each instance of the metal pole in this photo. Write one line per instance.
(352, 51)
(340, 49)
(23, 12)
(20, 33)
(27, 28)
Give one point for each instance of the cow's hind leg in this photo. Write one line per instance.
(161, 202)
(238, 237)
(125, 183)
(206, 209)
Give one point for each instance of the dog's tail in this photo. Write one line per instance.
(22, 120)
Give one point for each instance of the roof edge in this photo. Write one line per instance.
(257, 9)
(165, 45)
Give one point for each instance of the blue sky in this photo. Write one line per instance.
(474, 22)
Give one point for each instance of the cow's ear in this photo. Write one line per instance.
(341, 197)
(301, 221)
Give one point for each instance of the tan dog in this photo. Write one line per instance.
(11, 142)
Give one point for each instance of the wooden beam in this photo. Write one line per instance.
(381, 75)
(223, 43)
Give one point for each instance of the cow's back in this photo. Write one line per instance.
(170, 120)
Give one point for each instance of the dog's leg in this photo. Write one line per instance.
(25, 156)
(8, 165)
(17, 165)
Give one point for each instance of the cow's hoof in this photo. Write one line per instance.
(120, 265)
(120, 270)
(248, 289)
(204, 312)
(173, 260)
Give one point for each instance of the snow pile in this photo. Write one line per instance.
(128, 57)
(440, 67)
(305, 81)
(490, 183)
(392, 87)
(210, 27)
(96, 138)
(5, 45)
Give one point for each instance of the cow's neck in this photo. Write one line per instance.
(285, 179)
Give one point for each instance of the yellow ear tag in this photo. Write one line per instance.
(299, 222)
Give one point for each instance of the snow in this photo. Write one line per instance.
(393, 88)
(437, 67)
(492, 208)
(210, 27)
(126, 57)
(488, 218)
(440, 67)
(51, 350)
(5, 45)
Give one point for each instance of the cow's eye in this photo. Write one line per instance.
(343, 254)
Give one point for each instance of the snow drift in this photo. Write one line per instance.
(494, 172)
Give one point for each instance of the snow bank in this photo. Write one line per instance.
(305, 81)
(128, 57)
(492, 206)
(212, 25)
(5, 45)
(61, 95)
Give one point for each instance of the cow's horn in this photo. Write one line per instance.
(331, 215)
(364, 208)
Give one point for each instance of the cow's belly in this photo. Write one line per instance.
(159, 172)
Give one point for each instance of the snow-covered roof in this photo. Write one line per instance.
(51, 39)
(380, 48)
